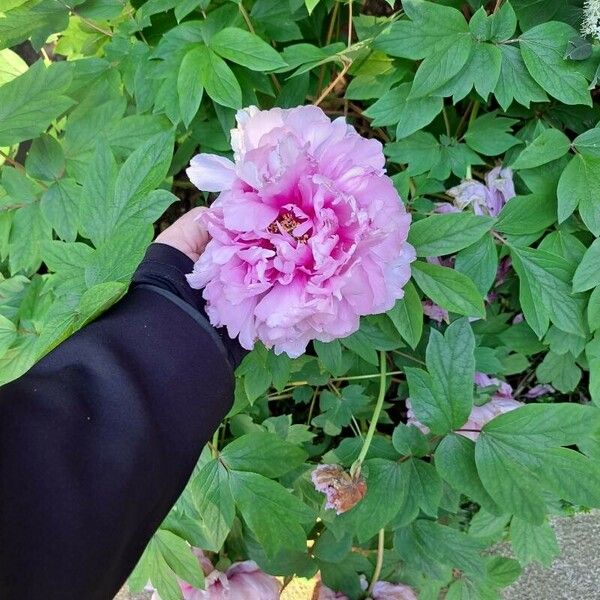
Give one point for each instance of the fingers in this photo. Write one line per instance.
(187, 234)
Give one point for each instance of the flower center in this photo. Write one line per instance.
(287, 222)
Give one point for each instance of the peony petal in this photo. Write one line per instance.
(211, 173)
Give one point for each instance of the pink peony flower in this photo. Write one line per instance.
(322, 592)
(241, 580)
(382, 590)
(540, 390)
(488, 198)
(308, 233)
(500, 402)
(435, 312)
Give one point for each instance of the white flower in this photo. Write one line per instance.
(591, 18)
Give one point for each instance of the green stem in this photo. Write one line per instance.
(474, 111)
(355, 468)
(379, 563)
(215, 443)
(446, 122)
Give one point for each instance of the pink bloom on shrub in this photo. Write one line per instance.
(322, 592)
(504, 390)
(500, 402)
(241, 580)
(488, 198)
(383, 590)
(540, 390)
(308, 233)
(434, 311)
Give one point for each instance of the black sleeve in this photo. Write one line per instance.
(98, 440)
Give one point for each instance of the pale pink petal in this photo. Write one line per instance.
(211, 173)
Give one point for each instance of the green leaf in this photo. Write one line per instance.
(545, 291)
(588, 143)
(60, 207)
(256, 451)
(510, 485)
(407, 315)
(546, 147)
(98, 190)
(394, 107)
(111, 201)
(11, 65)
(118, 256)
(271, 512)
(408, 440)
(28, 232)
(438, 235)
(430, 28)
(178, 555)
(448, 288)
(35, 20)
(455, 462)
(587, 274)
(560, 370)
(479, 262)
(424, 485)
(425, 542)
(360, 344)
(218, 79)
(498, 26)
(518, 460)
(386, 493)
(246, 49)
(481, 71)
(503, 571)
(8, 334)
(592, 353)
(489, 134)
(337, 409)
(545, 425)
(45, 159)
(30, 102)
(533, 542)
(442, 398)
(189, 84)
(515, 82)
(579, 185)
(214, 503)
(527, 214)
(330, 355)
(441, 66)
(593, 310)
(543, 48)
(311, 5)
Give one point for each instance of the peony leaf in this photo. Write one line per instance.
(543, 48)
(533, 542)
(256, 452)
(272, 513)
(443, 234)
(448, 288)
(407, 315)
(246, 49)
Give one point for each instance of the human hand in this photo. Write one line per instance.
(187, 234)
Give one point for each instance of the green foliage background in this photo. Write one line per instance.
(93, 140)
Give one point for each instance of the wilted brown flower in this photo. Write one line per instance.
(343, 490)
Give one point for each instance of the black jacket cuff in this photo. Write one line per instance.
(165, 268)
